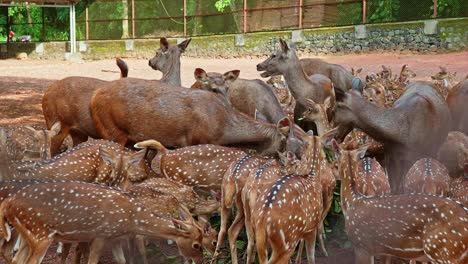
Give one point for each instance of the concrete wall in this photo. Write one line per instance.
(418, 36)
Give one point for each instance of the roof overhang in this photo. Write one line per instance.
(45, 3)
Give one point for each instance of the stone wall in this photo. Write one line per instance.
(418, 36)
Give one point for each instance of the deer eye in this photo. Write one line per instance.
(215, 242)
(196, 246)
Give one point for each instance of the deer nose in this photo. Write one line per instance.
(259, 67)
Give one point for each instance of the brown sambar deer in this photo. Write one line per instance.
(336, 73)
(122, 111)
(418, 117)
(56, 214)
(410, 226)
(456, 100)
(317, 87)
(252, 97)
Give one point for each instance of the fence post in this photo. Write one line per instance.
(185, 18)
(364, 11)
(86, 20)
(300, 14)
(133, 19)
(435, 8)
(244, 11)
(43, 25)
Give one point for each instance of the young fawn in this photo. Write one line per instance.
(429, 176)
(410, 226)
(42, 213)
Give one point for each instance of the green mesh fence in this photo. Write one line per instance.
(125, 19)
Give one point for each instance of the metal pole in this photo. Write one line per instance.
(43, 25)
(133, 18)
(245, 16)
(185, 18)
(364, 11)
(86, 21)
(72, 29)
(435, 8)
(300, 14)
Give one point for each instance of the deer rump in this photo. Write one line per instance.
(135, 110)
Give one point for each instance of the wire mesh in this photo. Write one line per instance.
(124, 19)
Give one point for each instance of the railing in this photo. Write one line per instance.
(136, 19)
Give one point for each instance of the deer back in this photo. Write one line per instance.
(413, 220)
(453, 153)
(371, 178)
(456, 99)
(427, 176)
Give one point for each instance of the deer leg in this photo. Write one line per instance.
(22, 253)
(38, 250)
(299, 252)
(362, 257)
(118, 253)
(281, 257)
(140, 244)
(310, 246)
(321, 238)
(250, 234)
(95, 250)
(262, 246)
(235, 229)
(57, 140)
(65, 252)
(225, 214)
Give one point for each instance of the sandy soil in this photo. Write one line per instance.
(22, 84)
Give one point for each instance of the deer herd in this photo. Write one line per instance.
(128, 162)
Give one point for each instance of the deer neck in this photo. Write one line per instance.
(380, 123)
(311, 160)
(297, 80)
(323, 126)
(248, 130)
(148, 224)
(172, 74)
(348, 174)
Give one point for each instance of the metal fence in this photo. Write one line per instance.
(131, 19)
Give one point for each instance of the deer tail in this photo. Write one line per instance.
(152, 144)
(122, 66)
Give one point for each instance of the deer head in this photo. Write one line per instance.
(355, 72)
(406, 73)
(216, 82)
(210, 236)
(318, 113)
(123, 168)
(167, 60)
(41, 141)
(278, 62)
(188, 242)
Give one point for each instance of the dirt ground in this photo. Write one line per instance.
(22, 84)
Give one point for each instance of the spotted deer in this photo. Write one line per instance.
(96, 161)
(429, 176)
(58, 215)
(27, 143)
(200, 166)
(287, 210)
(417, 226)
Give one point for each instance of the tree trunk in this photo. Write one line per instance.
(125, 20)
(28, 12)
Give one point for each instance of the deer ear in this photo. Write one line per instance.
(184, 213)
(328, 102)
(206, 226)
(360, 153)
(359, 71)
(216, 195)
(183, 45)
(284, 45)
(200, 74)
(231, 76)
(181, 225)
(340, 94)
(329, 136)
(136, 158)
(55, 129)
(164, 44)
(292, 45)
(107, 155)
(284, 125)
